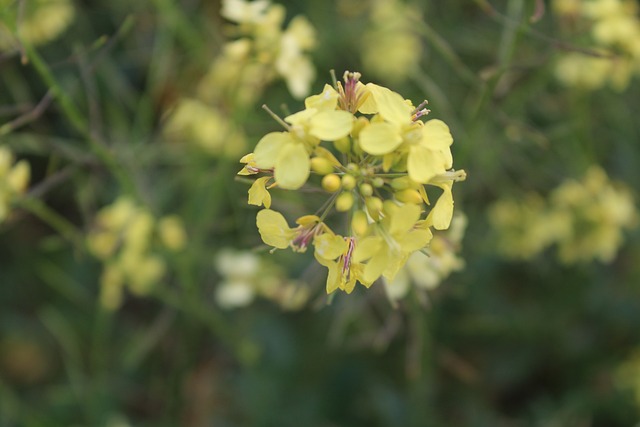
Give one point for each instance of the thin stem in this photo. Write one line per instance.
(53, 219)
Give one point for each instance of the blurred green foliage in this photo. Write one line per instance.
(501, 343)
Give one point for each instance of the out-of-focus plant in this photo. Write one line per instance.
(130, 243)
(388, 155)
(14, 179)
(391, 48)
(585, 218)
(613, 27)
(246, 275)
(41, 21)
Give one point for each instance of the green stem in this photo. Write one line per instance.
(53, 219)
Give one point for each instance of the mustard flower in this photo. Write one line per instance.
(130, 241)
(367, 148)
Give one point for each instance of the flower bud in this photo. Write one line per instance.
(321, 165)
(409, 196)
(359, 223)
(401, 183)
(344, 202)
(378, 182)
(348, 182)
(366, 189)
(343, 145)
(331, 183)
(374, 206)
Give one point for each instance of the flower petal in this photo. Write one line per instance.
(331, 125)
(441, 214)
(269, 147)
(258, 194)
(292, 166)
(391, 105)
(329, 246)
(423, 163)
(274, 229)
(380, 138)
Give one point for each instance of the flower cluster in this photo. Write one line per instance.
(42, 21)
(130, 241)
(245, 276)
(614, 29)
(584, 218)
(260, 53)
(264, 50)
(14, 179)
(371, 152)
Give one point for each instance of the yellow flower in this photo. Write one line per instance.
(428, 144)
(172, 233)
(396, 236)
(288, 152)
(336, 253)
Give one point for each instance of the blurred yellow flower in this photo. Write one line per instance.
(585, 218)
(391, 48)
(14, 180)
(125, 238)
(42, 21)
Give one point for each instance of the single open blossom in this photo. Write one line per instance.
(369, 150)
(427, 145)
(288, 153)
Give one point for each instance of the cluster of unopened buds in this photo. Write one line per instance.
(368, 148)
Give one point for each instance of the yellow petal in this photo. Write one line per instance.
(301, 117)
(441, 214)
(258, 194)
(391, 105)
(292, 166)
(274, 229)
(327, 100)
(331, 125)
(329, 246)
(403, 219)
(415, 240)
(366, 248)
(380, 138)
(436, 136)
(423, 164)
(376, 265)
(269, 147)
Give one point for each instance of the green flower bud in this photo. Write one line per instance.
(348, 182)
(366, 189)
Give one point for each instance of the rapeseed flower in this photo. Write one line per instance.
(372, 156)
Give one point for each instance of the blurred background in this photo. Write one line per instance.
(135, 289)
